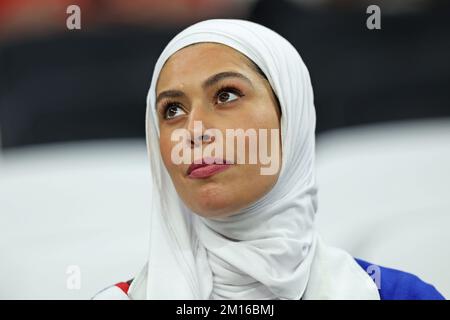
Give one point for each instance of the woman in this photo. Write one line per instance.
(238, 229)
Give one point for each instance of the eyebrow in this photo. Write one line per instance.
(212, 80)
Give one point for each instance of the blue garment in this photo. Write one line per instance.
(398, 285)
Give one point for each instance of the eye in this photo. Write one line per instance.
(227, 95)
(171, 110)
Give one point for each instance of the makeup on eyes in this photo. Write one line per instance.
(222, 88)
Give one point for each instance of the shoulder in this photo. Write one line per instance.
(392, 285)
(398, 285)
(119, 291)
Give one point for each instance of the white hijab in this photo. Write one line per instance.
(269, 250)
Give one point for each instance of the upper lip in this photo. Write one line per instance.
(215, 161)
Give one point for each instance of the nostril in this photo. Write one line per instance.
(208, 138)
(202, 139)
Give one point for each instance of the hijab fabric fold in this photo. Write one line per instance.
(267, 250)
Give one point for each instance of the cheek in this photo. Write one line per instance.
(260, 112)
(269, 117)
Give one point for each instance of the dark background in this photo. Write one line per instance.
(62, 85)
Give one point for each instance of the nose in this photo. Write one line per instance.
(197, 124)
(204, 138)
(197, 139)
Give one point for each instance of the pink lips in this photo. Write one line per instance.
(204, 170)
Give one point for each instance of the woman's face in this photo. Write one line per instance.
(220, 87)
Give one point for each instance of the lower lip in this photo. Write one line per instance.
(209, 170)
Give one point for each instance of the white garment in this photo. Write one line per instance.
(269, 250)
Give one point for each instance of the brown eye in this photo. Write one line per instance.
(226, 96)
(171, 111)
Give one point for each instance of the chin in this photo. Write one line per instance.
(211, 201)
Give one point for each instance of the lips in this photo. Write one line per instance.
(208, 167)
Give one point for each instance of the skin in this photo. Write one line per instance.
(254, 105)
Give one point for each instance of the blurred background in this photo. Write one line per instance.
(74, 178)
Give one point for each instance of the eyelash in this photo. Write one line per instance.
(228, 88)
(224, 88)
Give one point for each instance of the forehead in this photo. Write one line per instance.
(201, 60)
